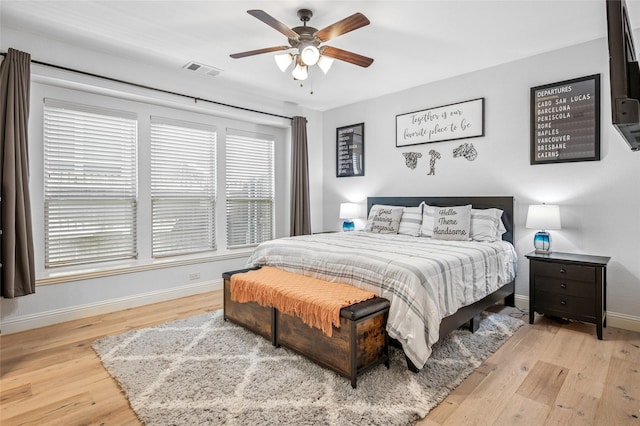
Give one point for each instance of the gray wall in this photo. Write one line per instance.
(599, 201)
(65, 294)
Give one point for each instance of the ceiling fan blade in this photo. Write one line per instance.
(344, 55)
(273, 23)
(353, 22)
(259, 51)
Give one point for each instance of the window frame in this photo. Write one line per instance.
(76, 140)
(144, 107)
(264, 188)
(182, 202)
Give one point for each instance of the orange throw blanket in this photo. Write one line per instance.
(316, 302)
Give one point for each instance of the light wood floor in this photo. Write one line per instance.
(547, 373)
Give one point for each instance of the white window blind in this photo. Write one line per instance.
(89, 184)
(249, 188)
(183, 187)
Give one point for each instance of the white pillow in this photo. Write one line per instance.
(411, 221)
(486, 225)
(386, 220)
(428, 217)
(452, 223)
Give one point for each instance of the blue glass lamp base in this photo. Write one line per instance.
(542, 242)
(348, 225)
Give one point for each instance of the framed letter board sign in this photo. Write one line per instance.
(565, 121)
(350, 150)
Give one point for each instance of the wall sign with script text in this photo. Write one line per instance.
(350, 150)
(565, 121)
(444, 123)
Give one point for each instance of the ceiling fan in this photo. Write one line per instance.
(307, 41)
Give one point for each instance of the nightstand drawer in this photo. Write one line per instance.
(572, 306)
(564, 271)
(563, 286)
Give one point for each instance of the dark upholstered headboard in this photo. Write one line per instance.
(503, 203)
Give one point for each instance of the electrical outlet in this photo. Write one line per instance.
(194, 276)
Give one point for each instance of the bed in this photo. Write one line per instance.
(434, 286)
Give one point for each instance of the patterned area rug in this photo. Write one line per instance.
(202, 370)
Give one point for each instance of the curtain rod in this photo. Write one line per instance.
(169, 92)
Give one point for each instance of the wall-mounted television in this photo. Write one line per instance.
(624, 74)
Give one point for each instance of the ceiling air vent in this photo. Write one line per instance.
(202, 69)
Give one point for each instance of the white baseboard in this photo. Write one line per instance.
(43, 319)
(626, 322)
(614, 319)
(28, 322)
(522, 302)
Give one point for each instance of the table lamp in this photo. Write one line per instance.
(543, 217)
(348, 212)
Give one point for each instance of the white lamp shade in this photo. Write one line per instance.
(300, 72)
(348, 210)
(283, 61)
(543, 216)
(325, 62)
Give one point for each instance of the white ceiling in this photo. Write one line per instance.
(412, 42)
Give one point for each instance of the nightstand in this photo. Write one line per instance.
(568, 285)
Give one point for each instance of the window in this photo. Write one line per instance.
(183, 187)
(249, 188)
(89, 184)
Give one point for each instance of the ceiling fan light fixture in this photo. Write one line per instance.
(307, 42)
(300, 72)
(284, 60)
(325, 62)
(310, 55)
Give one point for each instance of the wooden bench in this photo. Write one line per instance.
(360, 343)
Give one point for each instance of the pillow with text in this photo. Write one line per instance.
(452, 223)
(385, 219)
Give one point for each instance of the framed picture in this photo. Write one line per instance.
(444, 123)
(565, 121)
(350, 150)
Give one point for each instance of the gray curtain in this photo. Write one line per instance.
(300, 210)
(18, 269)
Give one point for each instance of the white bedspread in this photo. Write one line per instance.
(425, 279)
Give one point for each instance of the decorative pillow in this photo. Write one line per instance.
(411, 221)
(486, 225)
(386, 219)
(452, 223)
(428, 217)
(373, 212)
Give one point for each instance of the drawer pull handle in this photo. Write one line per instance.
(562, 302)
(562, 270)
(563, 285)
